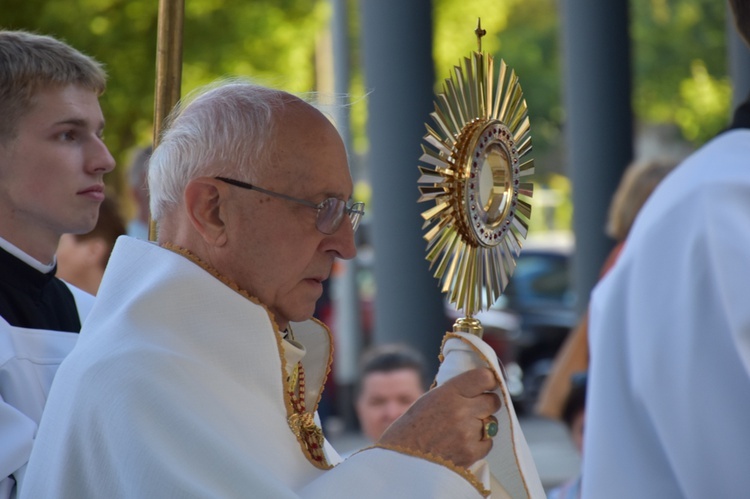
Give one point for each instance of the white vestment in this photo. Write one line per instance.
(176, 388)
(29, 359)
(668, 406)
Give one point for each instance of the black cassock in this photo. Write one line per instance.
(32, 299)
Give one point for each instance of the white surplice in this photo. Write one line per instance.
(176, 389)
(668, 404)
(29, 359)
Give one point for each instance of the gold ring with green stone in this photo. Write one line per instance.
(489, 428)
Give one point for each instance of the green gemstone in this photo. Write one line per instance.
(491, 429)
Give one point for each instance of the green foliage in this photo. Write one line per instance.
(680, 65)
(679, 59)
(552, 205)
(454, 24)
(530, 45)
(703, 107)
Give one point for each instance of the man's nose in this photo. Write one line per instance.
(98, 157)
(394, 410)
(343, 240)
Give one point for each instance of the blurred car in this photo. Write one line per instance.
(530, 321)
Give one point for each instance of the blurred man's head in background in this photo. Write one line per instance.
(391, 378)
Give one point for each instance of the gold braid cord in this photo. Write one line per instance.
(302, 422)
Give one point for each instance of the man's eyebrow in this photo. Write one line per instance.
(73, 121)
(79, 122)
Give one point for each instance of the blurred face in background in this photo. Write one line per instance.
(384, 397)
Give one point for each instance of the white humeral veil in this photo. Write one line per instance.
(509, 470)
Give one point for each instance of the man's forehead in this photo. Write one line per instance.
(392, 374)
(70, 104)
(308, 154)
(296, 113)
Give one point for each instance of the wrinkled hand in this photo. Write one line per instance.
(447, 421)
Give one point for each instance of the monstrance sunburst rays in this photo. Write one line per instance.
(478, 154)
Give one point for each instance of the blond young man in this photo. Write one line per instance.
(52, 160)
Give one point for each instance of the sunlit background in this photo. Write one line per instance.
(681, 90)
(681, 96)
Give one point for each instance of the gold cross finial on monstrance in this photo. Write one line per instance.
(480, 33)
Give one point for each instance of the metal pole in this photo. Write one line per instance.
(399, 74)
(348, 331)
(170, 23)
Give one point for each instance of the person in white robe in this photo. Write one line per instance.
(669, 383)
(199, 370)
(52, 163)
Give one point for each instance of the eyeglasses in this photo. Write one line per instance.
(330, 211)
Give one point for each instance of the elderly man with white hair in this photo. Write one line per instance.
(199, 370)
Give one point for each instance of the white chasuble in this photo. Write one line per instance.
(177, 389)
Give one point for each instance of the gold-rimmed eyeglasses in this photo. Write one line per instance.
(330, 211)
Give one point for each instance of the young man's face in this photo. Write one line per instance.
(51, 171)
(385, 396)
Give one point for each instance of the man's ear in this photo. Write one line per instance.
(204, 203)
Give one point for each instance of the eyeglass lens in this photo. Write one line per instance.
(331, 213)
(355, 215)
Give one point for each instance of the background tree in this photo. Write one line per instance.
(681, 65)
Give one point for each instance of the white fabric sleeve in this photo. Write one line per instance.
(17, 436)
(509, 469)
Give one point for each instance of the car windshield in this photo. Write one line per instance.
(541, 279)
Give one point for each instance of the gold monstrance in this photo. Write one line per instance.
(478, 155)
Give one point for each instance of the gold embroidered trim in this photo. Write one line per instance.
(303, 425)
(302, 422)
(299, 424)
(506, 399)
(294, 418)
(427, 456)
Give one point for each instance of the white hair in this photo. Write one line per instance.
(223, 129)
